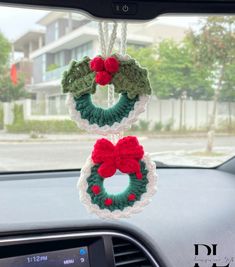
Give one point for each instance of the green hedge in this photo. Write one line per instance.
(42, 127)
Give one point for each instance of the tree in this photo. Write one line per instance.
(5, 49)
(11, 92)
(214, 48)
(172, 70)
(177, 73)
(227, 92)
(146, 56)
(8, 90)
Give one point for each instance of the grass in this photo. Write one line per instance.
(44, 127)
(35, 127)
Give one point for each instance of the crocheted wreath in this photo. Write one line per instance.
(129, 80)
(128, 157)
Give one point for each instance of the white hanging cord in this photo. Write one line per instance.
(111, 96)
(123, 43)
(107, 48)
(107, 42)
(106, 35)
(123, 39)
(112, 39)
(102, 40)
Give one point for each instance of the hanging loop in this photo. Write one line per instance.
(107, 41)
(123, 39)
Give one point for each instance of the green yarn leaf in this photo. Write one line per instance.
(131, 79)
(79, 79)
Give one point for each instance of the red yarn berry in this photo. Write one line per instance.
(139, 175)
(131, 197)
(97, 64)
(108, 202)
(95, 189)
(111, 65)
(103, 77)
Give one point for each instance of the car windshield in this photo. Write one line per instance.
(189, 120)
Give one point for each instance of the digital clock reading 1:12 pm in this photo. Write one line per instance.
(69, 257)
(36, 259)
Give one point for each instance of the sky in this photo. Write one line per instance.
(16, 21)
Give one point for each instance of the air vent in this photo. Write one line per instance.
(127, 254)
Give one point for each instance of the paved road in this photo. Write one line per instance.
(16, 156)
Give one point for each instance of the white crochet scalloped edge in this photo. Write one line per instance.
(138, 206)
(117, 127)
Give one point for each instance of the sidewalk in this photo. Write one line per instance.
(7, 137)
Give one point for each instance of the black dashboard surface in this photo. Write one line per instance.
(191, 206)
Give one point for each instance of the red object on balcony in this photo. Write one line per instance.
(14, 74)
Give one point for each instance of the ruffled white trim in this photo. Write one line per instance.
(138, 206)
(117, 127)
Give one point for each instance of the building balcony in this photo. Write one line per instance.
(73, 39)
(54, 74)
(84, 34)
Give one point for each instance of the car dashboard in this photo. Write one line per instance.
(43, 223)
(41, 216)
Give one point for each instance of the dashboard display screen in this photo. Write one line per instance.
(75, 257)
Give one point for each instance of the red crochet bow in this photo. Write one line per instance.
(124, 156)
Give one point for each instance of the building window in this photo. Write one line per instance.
(136, 46)
(56, 30)
(43, 66)
(59, 59)
(57, 105)
(83, 50)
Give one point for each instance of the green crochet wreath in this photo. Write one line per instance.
(102, 116)
(130, 82)
(126, 156)
(133, 193)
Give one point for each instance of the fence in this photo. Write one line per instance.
(179, 114)
(189, 114)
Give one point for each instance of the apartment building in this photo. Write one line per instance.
(66, 36)
(26, 44)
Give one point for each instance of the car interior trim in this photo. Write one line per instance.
(57, 237)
